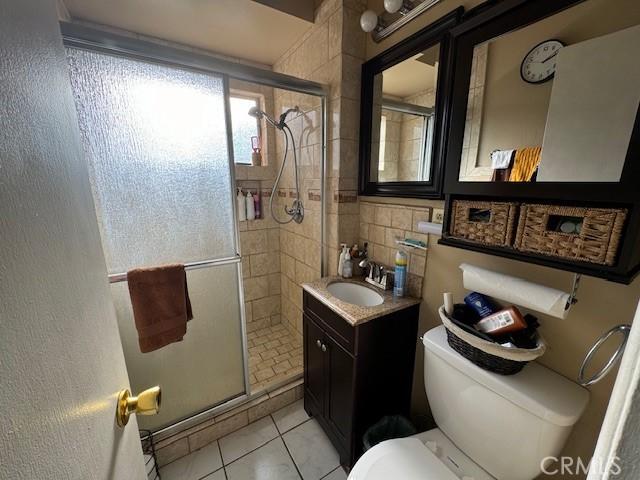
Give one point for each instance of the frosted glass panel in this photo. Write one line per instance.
(204, 369)
(155, 139)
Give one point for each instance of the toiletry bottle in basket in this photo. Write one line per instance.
(400, 276)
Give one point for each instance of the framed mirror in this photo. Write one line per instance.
(403, 120)
(546, 99)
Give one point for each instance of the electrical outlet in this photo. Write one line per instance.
(437, 216)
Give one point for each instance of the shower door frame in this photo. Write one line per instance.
(96, 39)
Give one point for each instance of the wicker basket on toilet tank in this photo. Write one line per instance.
(488, 355)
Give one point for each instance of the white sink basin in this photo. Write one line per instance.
(355, 294)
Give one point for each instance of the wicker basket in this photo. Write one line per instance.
(596, 242)
(488, 355)
(497, 230)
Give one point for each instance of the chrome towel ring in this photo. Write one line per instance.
(622, 329)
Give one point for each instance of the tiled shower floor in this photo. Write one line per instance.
(275, 355)
(284, 445)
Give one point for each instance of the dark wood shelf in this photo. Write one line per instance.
(600, 271)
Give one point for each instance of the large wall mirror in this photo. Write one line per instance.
(555, 100)
(403, 117)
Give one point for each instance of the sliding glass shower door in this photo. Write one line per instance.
(155, 138)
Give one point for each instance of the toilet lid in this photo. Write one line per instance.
(403, 458)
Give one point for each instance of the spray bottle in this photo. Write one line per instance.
(400, 277)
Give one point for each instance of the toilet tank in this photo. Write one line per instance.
(506, 424)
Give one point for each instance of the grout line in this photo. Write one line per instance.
(211, 473)
(291, 457)
(339, 467)
(251, 451)
(279, 436)
(298, 425)
(274, 422)
(224, 470)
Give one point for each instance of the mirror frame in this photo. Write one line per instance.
(437, 32)
(499, 19)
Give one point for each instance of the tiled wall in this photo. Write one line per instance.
(411, 137)
(300, 258)
(475, 105)
(260, 246)
(260, 238)
(331, 53)
(382, 223)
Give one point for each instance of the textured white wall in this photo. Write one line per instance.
(61, 361)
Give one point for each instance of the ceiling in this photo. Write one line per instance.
(239, 28)
(409, 77)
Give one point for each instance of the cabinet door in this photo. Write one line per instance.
(314, 366)
(339, 389)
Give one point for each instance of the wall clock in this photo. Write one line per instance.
(539, 65)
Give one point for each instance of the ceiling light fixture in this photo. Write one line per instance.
(393, 6)
(402, 10)
(369, 21)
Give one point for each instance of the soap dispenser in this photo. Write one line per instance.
(343, 253)
(347, 267)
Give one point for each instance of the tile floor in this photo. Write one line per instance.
(275, 355)
(284, 445)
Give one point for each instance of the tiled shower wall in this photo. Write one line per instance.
(411, 139)
(300, 244)
(260, 238)
(331, 52)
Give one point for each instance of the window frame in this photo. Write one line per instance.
(260, 127)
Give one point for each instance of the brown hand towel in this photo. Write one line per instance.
(161, 306)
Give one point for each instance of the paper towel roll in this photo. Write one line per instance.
(515, 290)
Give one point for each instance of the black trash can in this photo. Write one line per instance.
(393, 426)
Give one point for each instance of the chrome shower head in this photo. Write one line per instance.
(256, 112)
(259, 114)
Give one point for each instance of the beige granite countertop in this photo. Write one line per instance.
(355, 314)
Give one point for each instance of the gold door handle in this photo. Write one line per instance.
(146, 403)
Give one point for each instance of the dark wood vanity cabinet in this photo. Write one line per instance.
(354, 376)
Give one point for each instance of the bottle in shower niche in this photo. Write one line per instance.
(251, 208)
(400, 277)
(257, 204)
(241, 205)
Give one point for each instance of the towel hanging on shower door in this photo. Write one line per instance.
(161, 305)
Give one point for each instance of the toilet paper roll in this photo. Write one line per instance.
(516, 290)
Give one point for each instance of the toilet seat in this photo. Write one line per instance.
(427, 455)
(402, 458)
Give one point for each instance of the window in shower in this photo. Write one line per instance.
(244, 127)
(155, 138)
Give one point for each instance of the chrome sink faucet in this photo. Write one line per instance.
(376, 274)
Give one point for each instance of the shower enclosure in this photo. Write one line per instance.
(156, 128)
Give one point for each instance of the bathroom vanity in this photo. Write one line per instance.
(358, 362)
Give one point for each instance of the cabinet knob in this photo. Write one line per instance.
(319, 343)
(324, 347)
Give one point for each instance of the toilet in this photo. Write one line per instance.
(489, 426)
